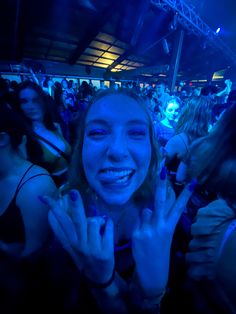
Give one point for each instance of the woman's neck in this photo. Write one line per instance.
(12, 165)
(38, 125)
(167, 123)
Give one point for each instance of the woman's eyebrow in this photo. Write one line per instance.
(102, 121)
(97, 121)
(137, 121)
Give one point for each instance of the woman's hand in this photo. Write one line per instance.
(89, 241)
(152, 238)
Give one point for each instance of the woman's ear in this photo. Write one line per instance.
(4, 139)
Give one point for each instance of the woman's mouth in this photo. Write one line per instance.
(113, 176)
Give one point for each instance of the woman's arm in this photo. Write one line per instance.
(176, 146)
(34, 212)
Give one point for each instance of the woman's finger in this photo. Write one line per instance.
(58, 230)
(181, 202)
(78, 216)
(108, 236)
(145, 217)
(94, 225)
(60, 234)
(63, 219)
(160, 195)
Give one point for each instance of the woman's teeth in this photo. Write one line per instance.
(115, 176)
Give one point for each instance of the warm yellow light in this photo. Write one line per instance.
(100, 65)
(105, 61)
(110, 55)
(99, 45)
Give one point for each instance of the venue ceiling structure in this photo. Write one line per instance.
(126, 39)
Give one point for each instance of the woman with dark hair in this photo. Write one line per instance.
(212, 160)
(41, 112)
(118, 229)
(24, 228)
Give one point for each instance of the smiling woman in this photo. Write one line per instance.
(119, 228)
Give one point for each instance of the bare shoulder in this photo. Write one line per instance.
(176, 145)
(35, 170)
(37, 181)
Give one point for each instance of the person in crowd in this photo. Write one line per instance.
(161, 97)
(48, 86)
(192, 124)
(119, 215)
(165, 128)
(210, 92)
(212, 160)
(65, 84)
(224, 93)
(40, 112)
(24, 227)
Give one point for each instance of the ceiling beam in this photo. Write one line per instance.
(193, 23)
(153, 70)
(99, 20)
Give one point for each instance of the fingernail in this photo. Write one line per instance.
(42, 199)
(192, 185)
(163, 173)
(73, 195)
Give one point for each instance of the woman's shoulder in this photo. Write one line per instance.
(36, 176)
(37, 181)
(177, 144)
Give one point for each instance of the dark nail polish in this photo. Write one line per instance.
(73, 195)
(163, 173)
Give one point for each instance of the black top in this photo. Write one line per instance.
(11, 221)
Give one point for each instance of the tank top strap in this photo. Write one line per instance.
(22, 178)
(34, 176)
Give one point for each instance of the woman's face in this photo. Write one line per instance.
(172, 111)
(64, 84)
(116, 151)
(31, 104)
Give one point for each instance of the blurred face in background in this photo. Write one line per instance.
(172, 111)
(31, 104)
(64, 84)
(160, 90)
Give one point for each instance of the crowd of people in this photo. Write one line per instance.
(117, 200)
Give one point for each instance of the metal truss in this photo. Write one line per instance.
(189, 19)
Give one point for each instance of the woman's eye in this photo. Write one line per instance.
(97, 133)
(137, 133)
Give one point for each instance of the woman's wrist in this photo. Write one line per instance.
(148, 299)
(100, 285)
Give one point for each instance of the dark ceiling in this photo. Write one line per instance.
(125, 38)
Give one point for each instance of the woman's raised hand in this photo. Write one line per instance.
(152, 237)
(89, 241)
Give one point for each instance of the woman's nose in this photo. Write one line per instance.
(117, 149)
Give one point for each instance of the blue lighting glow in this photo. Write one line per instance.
(218, 30)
